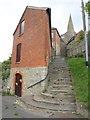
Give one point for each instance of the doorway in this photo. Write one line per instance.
(18, 85)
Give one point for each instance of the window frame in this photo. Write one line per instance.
(52, 35)
(18, 53)
(22, 27)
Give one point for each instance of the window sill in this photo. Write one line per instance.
(17, 63)
(21, 34)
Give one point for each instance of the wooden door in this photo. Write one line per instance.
(18, 85)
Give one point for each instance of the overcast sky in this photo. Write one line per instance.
(11, 12)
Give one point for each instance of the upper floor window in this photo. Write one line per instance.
(18, 53)
(22, 27)
(52, 35)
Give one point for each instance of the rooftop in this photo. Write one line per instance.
(41, 8)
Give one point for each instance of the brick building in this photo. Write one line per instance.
(55, 42)
(32, 49)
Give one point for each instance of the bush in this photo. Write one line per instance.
(0, 70)
(6, 68)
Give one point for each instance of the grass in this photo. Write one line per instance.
(80, 78)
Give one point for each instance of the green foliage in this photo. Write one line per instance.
(80, 78)
(0, 70)
(87, 7)
(80, 55)
(88, 34)
(81, 35)
(6, 68)
(7, 94)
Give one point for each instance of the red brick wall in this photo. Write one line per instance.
(55, 38)
(35, 40)
(48, 49)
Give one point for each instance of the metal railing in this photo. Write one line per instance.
(38, 82)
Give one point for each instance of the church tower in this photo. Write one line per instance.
(70, 31)
(70, 27)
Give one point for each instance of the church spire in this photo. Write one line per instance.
(70, 27)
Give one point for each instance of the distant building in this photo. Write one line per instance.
(55, 42)
(76, 45)
(70, 31)
(58, 45)
(32, 49)
(63, 47)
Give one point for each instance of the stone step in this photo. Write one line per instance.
(47, 95)
(61, 96)
(64, 82)
(30, 103)
(55, 81)
(61, 71)
(65, 93)
(62, 90)
(53, 67)
(66, 87)
(61, 86)
(54, 100)
(59, 77)
(60, 74)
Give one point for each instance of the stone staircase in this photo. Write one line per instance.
(59, 96)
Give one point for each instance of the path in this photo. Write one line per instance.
(59, 99)
(11, 110)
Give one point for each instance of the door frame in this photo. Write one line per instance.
(19, 81)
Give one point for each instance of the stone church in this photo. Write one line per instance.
(70, 31)
(32, 50)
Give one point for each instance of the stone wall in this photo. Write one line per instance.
(62, 48)
(57, 49)
(40, 87)
(30, 76)
(76, 49)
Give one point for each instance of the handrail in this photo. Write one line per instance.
(37, 82)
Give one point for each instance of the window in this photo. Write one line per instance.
(18, 53)
(52, 43)
(52, 34)
(22, 27)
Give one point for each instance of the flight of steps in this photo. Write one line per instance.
(59, 95)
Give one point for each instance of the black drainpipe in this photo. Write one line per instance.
(49, 15)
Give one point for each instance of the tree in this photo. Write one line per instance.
(6, 68)
(87, 7)
(0, 70)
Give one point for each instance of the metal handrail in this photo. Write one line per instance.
(37, 82)
(40, 80)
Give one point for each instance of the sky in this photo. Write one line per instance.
(12, 10)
